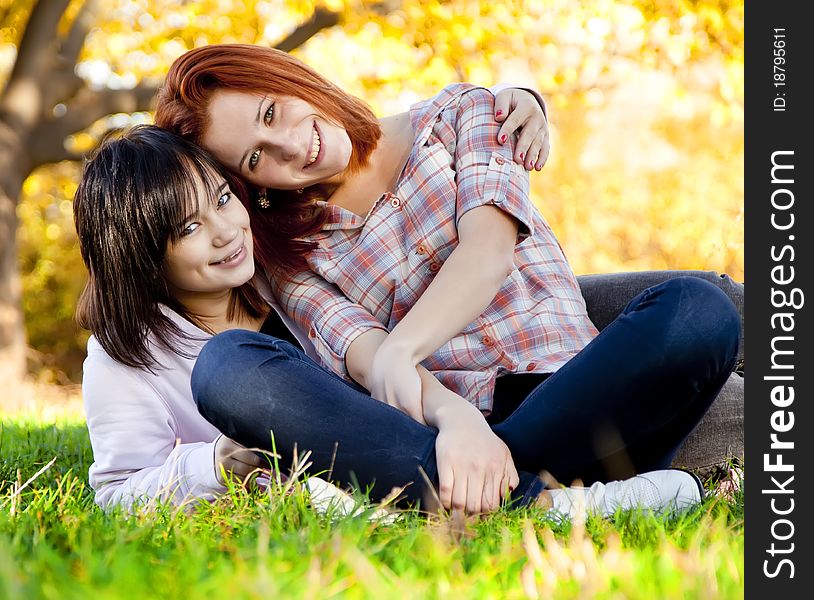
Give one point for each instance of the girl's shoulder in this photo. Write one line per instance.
(424, 114)
(99, 366)
(443, 98)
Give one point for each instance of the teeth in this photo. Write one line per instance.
(228, 258)
(315, 148)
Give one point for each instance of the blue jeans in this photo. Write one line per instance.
(623, 405)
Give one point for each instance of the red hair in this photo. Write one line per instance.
(183, 103)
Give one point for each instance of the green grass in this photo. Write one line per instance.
(54, 543)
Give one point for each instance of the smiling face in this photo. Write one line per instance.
(214, 251)
(279, 142)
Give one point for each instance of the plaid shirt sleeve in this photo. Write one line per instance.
(332, 321)
(485, 170)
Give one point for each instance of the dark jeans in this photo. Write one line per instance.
(624, 404)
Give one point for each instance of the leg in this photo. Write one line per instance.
(251, 385)
(627, 401)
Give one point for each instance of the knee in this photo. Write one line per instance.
(704, 319)
(225, 366)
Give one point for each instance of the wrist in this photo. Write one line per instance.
(455, 414)
(398, 349)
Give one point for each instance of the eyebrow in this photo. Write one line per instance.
(256, 121)
(222, 187)
(192, 215)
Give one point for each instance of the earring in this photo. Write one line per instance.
(301, 190)
(262, 200)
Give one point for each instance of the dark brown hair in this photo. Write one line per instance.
(135, 194)
(183, 103)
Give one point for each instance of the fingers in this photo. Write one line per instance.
(538, 150)
(512, 123)
(491, 494)
(503, 102)
(542, 157)
(459, 494)
(514, 478)
(234, 458)
(509, 480)
(543, 151)
(239, 469)
(446, 481)
(522, 149)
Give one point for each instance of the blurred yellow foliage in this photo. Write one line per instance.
(645, 101)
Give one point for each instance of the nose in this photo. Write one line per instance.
(284, 144)
(224, 230)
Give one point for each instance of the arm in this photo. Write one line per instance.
(492, 207)
(348, 337)
(135, 449)
(333, 322)
(463, 288)
(475, 467)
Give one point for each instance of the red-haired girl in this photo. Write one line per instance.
(409, 250)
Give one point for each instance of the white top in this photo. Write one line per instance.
(148, 438)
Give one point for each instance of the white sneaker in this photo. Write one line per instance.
(670, 490)
(327, 499)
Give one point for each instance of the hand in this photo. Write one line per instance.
(475, 467)
(394, 380)
(235, 459)
(519, 110)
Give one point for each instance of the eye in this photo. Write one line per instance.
(189, 228)
(254, 158)
(269, 114)
(224, 199)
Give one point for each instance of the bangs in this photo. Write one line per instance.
(194, 183)
(171, 182)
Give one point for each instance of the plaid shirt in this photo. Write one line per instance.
(369, 271)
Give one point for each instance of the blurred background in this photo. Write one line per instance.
(645, 101)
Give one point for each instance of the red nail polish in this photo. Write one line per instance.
(522, 155)
(504, 138)
(498, 113)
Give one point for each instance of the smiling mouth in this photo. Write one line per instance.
(231, 257)
(316, 147)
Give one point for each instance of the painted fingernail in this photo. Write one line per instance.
(522, 155)
(503, 138)
(498, 113)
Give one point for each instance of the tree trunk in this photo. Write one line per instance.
(12, 331)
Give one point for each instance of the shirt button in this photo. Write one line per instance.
(435, 267)
(531, 366)
(500, 160)
(312, 332)
(487, 341)
(421, 250)
(395, 202)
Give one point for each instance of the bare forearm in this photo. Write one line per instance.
(463, 288)
(441, 405)
(359, 358)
